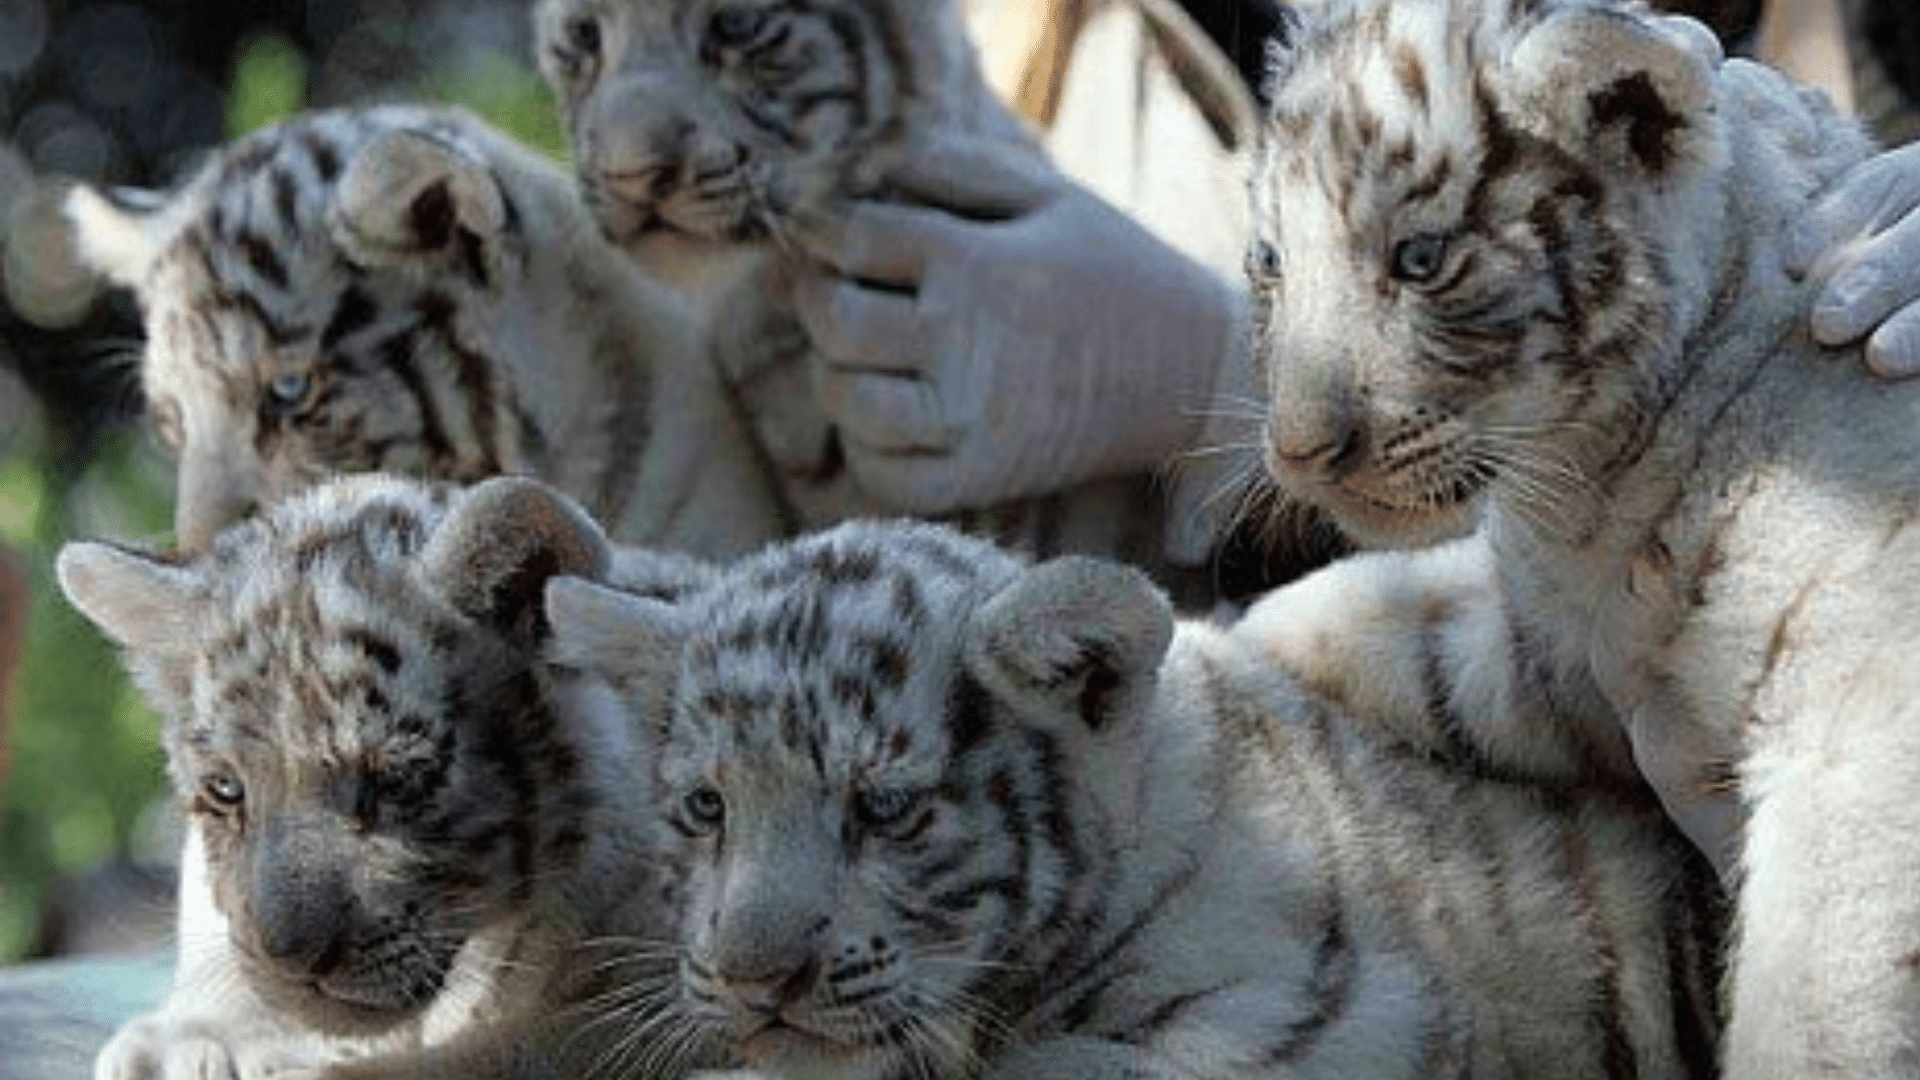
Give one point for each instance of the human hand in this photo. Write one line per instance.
(1866, 228)
(1005, 333)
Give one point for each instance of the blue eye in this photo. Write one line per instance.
(224, 791)
(289, 389)
(706, 808)
(1416, 260)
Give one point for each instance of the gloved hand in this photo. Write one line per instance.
(1866, 227)
(1002, 332)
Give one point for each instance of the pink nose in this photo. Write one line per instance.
(772, 992)
(1316, 451)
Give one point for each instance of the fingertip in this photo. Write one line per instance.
(1844, 309)
(1893, 351)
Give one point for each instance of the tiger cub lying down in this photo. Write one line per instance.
(927, 811)
(407, 836)
(884, 802)
(403, 288)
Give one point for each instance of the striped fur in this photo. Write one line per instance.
(403, 828)
(401, 288)
(708, 133)
(1522, 265)
(928, 812)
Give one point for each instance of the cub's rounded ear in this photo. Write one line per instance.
(1075, 636)
(407, 194)
(141, 601)
(500, 543)
(116, 235)
(619, 635)
(1614, 90)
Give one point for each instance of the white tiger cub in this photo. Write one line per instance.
(929, 812)
(707, 133)
(406, 834)
(1522, 262)
(403, 288)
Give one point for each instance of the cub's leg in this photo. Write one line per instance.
(1826, 971)
(209, 1027)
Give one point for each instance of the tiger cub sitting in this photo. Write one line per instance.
(1522, 263)
(926, 811)
(707, 134)
(405, 834)
(402, 288)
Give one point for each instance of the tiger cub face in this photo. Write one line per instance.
(395, 800)
(341, 293)
(1461, 255)
(862, 834)
(727, 120)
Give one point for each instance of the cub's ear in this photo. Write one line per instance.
(142, 602)
(408, 194)
(1615, 91)
(117, 236)
(1076, 637)
(618, 635)
(501, 541)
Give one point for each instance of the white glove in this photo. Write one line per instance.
(1005, 333)
(1866, 228)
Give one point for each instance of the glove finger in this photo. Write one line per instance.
(883, 243)
(1880, 277)
(1893, 352)
(1862, 201)
(880, 413)
(977, 177)
(859, 328)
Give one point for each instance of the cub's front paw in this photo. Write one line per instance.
(168, 1048)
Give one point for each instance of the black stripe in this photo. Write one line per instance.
(226, 298)
(353, 312)
(1330, 988)
(263, 258)
(397, 355)
(474, 375)
(1609, 1016)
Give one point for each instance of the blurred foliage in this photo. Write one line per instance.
(85, 765)
(269, 84)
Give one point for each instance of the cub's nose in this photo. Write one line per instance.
(769, 992)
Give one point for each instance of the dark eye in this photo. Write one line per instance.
(735, 26)
(706, 808)
(1263, 262)
(289, 390)
(1418, 259)
(583, 35)
(883, 807)
(224, 792)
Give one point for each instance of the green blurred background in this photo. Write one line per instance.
(132, 93)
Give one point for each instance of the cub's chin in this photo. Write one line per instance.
(377, 996)
(1394, 521)
(792, 1054)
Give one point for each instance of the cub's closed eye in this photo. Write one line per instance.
(731, 27)
(881, 807)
